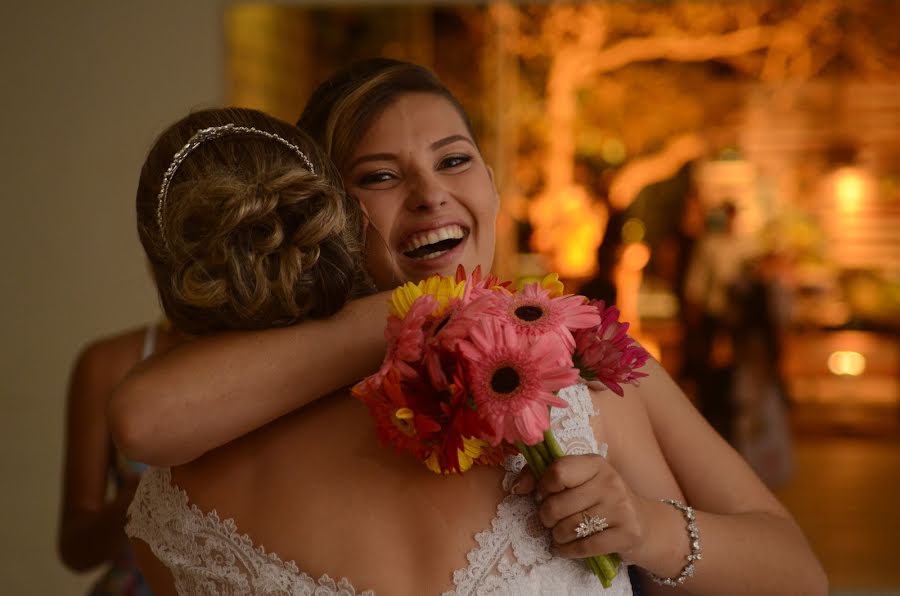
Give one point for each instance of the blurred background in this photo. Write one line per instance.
(728, 173)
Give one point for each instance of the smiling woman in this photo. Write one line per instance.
(426, 190)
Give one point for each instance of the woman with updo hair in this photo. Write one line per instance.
(279, 484)
(243, 237)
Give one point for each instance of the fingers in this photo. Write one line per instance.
(525, 483)
(560, 506)
(595, 386)
(570, 472)
(611, 540)
(587, 490)
(609, 534)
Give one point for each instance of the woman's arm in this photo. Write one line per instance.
(751, 544)
(90, 530)
(208, 391)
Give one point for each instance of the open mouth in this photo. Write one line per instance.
(434, 243)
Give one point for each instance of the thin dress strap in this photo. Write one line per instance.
(149, 341)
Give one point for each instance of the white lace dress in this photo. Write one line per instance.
(209, 556)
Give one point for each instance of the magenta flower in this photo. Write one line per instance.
(513, 379)
(607, 354)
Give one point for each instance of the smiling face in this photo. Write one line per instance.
(428, 194)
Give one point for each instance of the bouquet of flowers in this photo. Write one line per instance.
(473, 368)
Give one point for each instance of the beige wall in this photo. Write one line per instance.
(85, 88)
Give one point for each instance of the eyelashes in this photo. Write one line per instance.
(455, 161)
(376, 177)
(386, 178)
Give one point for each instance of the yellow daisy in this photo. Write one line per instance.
(470, 452)
(442, 288)
(551, 282)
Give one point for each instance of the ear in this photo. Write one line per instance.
(490, 172)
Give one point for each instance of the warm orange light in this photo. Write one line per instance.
(612, 150)
(635, 256)
(846, 363)
(568, 227)
(633, 230)
(849, 189)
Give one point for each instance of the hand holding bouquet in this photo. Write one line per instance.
(473, 368)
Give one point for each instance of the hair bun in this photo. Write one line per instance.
(252, 238)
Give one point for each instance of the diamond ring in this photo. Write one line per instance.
(590, 525)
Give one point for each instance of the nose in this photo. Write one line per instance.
(426, 193)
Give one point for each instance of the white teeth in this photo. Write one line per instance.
(432, 255)
(452, 231)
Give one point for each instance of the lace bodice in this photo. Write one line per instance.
(209, 556)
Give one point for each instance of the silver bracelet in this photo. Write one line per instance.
(693, 536)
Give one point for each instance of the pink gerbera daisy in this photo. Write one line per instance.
(533, 313)
(513, 379)
(606, 353)
(406, 339)
(478, 285)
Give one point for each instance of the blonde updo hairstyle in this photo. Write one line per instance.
(248, 237)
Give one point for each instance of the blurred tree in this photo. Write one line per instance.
(649, 86)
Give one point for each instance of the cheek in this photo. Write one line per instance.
(486, 209)
(380, 212)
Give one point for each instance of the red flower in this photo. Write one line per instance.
(402, 418)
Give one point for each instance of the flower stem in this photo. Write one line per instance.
(544, 452)
(539, 460)
(609, 565)
(553, 445)
(532, 459)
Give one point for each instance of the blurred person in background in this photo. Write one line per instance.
(91, 528)
(716, 265)
(691, 226)
(761, 311)
(602, 286)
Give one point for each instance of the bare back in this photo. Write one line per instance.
(317, 490)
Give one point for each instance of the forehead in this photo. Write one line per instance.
(415, 119)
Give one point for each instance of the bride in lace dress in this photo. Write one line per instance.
(309, 504)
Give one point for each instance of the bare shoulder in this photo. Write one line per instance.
(623, 423)
(102, 363)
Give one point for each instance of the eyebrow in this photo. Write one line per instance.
(451, 139)
(392, 156)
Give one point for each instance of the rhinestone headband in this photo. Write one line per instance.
(208, 134)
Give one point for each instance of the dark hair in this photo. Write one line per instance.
(249, 237)
(342, 108)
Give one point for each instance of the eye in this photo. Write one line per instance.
(454, 161)
(379, 177)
